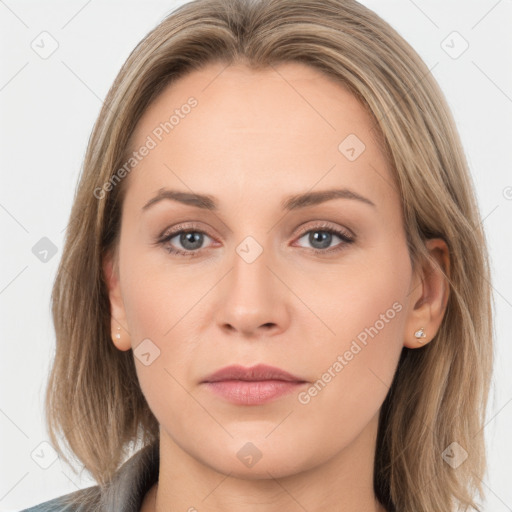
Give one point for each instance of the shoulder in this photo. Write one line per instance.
(83, 500)
(124, 493)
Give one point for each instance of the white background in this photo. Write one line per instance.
(48, 107)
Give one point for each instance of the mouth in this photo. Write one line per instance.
(252, 386)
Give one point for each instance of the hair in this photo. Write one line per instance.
(93, 399)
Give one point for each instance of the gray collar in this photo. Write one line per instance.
(125, 493)
(132, 481)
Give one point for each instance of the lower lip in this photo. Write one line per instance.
(252, 392)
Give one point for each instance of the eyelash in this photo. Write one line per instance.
(346, 238)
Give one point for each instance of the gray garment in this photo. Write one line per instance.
(125, 493)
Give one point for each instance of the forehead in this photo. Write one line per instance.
(285, 126)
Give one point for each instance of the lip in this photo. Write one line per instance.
(258, 372)
(255, 385)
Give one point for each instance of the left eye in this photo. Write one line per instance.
(321, 239)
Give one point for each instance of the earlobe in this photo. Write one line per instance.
(429, 296)
(119, 333)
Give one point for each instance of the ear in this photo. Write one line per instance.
(429, 295)
(119, 333)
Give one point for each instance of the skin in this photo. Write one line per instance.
(254, 139)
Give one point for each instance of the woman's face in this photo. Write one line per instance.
(319, 286)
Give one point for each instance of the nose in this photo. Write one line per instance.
(253, 300)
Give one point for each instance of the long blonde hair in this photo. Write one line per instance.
(439, 393)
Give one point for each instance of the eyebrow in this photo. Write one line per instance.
(294, 202)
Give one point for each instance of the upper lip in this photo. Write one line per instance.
(254, 373)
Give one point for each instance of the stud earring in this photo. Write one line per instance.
(118, 333)
(420, 333)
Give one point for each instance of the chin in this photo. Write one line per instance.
(257, 460)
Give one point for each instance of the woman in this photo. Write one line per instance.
(275, 277)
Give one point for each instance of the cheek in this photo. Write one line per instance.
(163, 310)
(158, 322)
(356, 369)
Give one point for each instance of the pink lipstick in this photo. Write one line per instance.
(252, 386)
